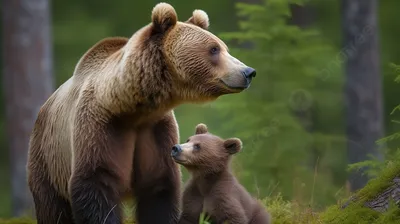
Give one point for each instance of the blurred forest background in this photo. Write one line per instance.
(324, 91)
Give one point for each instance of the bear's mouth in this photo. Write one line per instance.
(235, 88)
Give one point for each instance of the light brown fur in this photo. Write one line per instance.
(107, 130)
(212, 188)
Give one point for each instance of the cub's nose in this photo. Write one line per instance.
(249, 72)
(176, 150)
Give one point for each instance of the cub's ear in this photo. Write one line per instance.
(233, 145)
(199, 18)
(163, 17)
(201, 129)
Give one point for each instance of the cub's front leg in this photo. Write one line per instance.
(192, 205)
(227, 210)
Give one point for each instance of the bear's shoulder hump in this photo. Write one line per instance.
(96, 55)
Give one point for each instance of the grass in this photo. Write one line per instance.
(291, 212)
(295, 212)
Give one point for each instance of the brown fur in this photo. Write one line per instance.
(212, 188)
(107, 131)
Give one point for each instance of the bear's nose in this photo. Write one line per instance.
(249, 72)
(176, 149)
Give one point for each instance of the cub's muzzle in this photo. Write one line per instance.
(176, 150)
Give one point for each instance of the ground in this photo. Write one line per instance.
(290, 212)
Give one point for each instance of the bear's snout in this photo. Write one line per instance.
(249, 73)
(176, 150)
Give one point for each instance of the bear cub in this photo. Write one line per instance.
(212, 188)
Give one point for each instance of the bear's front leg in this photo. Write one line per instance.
(94, 196)
(157, 178)
(102, 167)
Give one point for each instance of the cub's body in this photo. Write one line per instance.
(212, 188)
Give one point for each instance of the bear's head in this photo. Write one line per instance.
(205, 152)
(198, 61)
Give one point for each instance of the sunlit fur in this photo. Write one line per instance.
(164, 14)
(200, 19)
(212, 188)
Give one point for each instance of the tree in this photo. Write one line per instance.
(363, 94)
(27, 81)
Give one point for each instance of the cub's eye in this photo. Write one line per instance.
(196, 147)
(188, 140)
(214, 50)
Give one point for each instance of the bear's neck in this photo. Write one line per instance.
(139, 83)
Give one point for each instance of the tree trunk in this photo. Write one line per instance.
(302, 15)
(363, 94)
(27, 82)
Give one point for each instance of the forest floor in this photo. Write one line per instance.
(291, 212)
(287, 212)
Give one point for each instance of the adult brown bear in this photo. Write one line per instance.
(108, 130)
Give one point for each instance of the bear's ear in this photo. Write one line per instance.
(233, 145)
(201, 129)
(200, 19)
(163, 17)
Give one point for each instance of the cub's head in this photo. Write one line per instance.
(199, 61)
(205, 152)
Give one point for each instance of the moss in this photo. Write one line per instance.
(286, 212)
(391, 216)
(356, 212)
(379, 184)
(352, 214)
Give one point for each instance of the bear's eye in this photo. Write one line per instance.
(196, 147)
(188, 140)
(214, 50)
